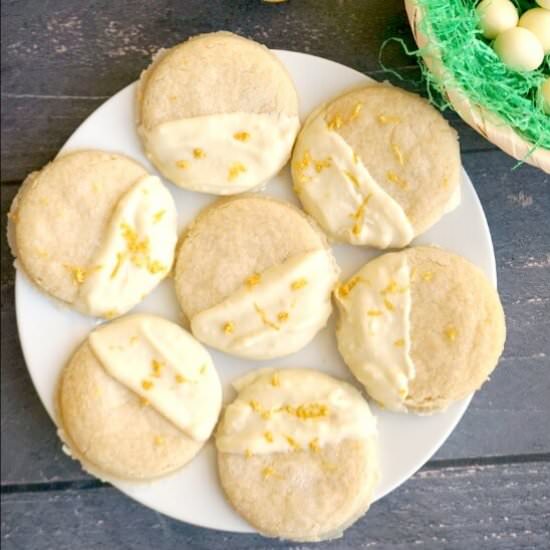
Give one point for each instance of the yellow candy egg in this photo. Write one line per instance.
(519, 49)
(537, 21)
(545, 94)
(544, 3)
(496, 16)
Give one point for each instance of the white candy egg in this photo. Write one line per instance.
(496, 16)
(537, 21)
(545, 94)
(519, 49)
(544, 3)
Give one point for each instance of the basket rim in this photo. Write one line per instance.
(483, 121)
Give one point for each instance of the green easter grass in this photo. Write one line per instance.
(472, 65)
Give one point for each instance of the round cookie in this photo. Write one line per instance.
(254, 277)
(138, 399)
(94, 230)
(420, 328)
(377, 166)
(298, 453)
(217, 113)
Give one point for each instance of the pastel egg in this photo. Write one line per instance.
(519, 49)
(544, 3)
(537, 21)
(545, 94)
(496, 16)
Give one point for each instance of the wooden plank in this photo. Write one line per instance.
(108, 43)
(509, 416)
(503, 507)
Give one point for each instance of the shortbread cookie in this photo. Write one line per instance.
(217, 114)
(254, 277)
(138, 399)
(298, 453)
(420, 328)
(377, 166)
(94, 230)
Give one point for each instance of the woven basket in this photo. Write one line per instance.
(489, 125)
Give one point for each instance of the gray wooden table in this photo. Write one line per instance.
(487, 487)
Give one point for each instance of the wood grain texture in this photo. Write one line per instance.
(509, 416)
(487, 487)
(499, 506)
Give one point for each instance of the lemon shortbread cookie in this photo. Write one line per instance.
(420, 328)
(254, 277)
(94, 230)
(377, 166)
(298, 453)
(138, 399)
(218, 113)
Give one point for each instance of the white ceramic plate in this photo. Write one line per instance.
(50, 332)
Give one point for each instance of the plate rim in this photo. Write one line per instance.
(21, 278)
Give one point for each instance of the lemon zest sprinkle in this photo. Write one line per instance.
(353, 178)
(398, 154)
(293, 443)
(264, 318)
(255, 405)
(346, 288)
(282, 316)
(269, 471)
(78, 273)
(314, 445)
(298, 284)
(388, 119)
(397, 180)
(450, 333)
(157, 367)
(356, 111)
(158, 216)
(146, 384)
(241, 136)
(235, 170)
(253, 280)
(322, 164)
(335, 122)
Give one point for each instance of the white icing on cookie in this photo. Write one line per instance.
(166, 367)
(374, 329)
(339, 192)
(454, 200)
(221, 154)
(292, 409)
(136, 254)
(275, 312)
